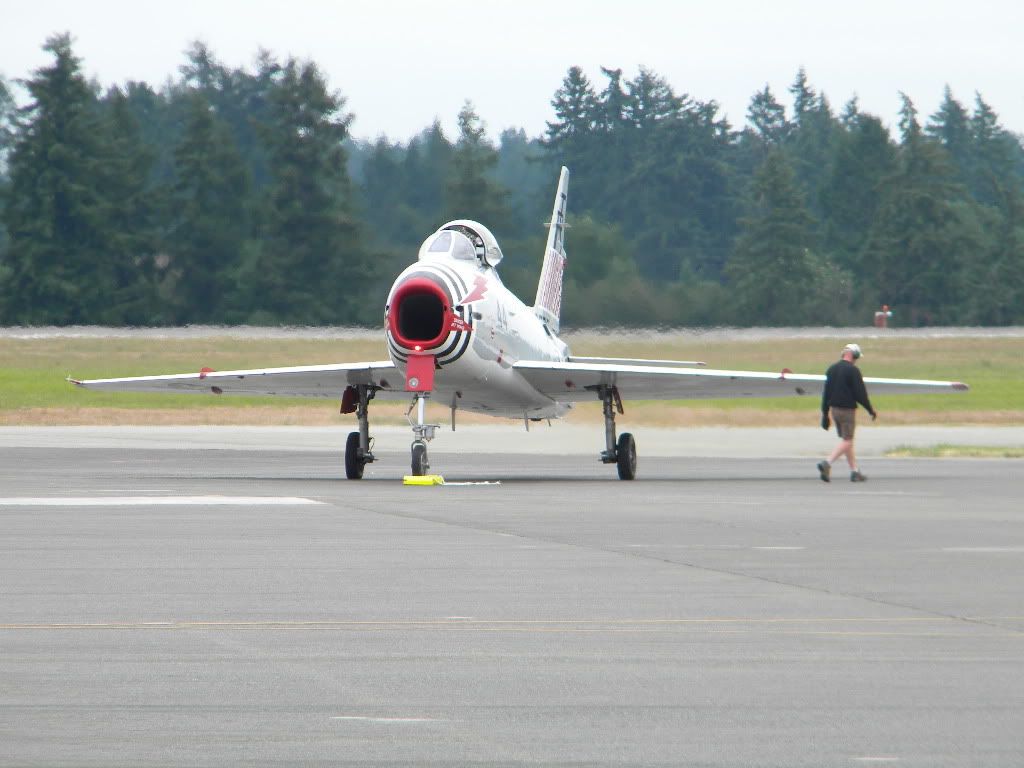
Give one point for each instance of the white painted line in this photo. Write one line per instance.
(704, 546)
(982, 549)
(155, 501)
(366, 719)
(913, 494)
(687, 546)
(875, 759)
(122, 490)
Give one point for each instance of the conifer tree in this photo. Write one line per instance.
(611, 111)
(130, 208)
(926, 235)
(470, 191)
(950, 127)
(427, 166)
(576, 112)
(805, 100)
(208, 216)
(8, 112)
(311, 265)
(768, 117)
(649, 99)
(571, 137)
(65, 261)
(772, 271)
(863, 155)
(8, 116)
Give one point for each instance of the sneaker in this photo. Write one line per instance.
(825, 470)
(857, 477)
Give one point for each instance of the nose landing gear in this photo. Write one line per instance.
(422, 434)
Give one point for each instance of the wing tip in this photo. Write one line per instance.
(959, 386)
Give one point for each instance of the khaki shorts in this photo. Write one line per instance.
(846, 422)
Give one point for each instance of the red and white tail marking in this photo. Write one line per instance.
(548, 304)
(549, 290)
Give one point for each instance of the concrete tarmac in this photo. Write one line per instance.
(240, 604)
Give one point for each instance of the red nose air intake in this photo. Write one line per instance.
(420, 315)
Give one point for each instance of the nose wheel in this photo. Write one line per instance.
(420, 465)
(422, 434)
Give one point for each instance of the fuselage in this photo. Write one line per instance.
(452, 304)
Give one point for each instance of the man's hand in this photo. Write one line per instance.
(874, 415)
(826, 422)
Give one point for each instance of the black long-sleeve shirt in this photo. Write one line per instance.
(844, 388)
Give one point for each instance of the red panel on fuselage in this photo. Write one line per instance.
(419, 373)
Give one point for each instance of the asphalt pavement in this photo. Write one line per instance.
(221, 597)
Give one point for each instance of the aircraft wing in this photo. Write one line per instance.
(578, 382)
(328, 381)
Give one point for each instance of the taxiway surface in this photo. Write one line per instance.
(234, 606)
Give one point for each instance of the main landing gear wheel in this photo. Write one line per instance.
(419, 459)
(356, 399)
(625, 456)
(354, 459)
(621, 452)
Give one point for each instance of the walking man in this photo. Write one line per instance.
(844, 389)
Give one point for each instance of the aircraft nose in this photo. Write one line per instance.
(420, 315)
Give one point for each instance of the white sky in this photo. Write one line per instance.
(401, 63)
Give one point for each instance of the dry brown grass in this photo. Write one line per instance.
(324, 414)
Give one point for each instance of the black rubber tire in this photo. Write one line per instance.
(419, 459)
(354, 461)
(625, 456)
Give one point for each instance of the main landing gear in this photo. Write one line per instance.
(357, 447)
(422, 434)
(622, 452)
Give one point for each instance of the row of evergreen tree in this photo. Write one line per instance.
(238, 195)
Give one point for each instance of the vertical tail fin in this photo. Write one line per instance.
(548, 304)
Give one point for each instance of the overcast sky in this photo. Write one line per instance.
(400, 63)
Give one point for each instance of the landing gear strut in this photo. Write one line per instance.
(622, 452)
(422, 434)
(357, 447)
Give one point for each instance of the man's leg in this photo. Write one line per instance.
(855, 474)
(845, 448)
(825, 467)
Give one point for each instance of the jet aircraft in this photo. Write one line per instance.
(456, 334)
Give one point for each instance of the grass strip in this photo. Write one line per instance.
(33, 389)
(950, 451)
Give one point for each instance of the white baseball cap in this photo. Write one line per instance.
(855, 349)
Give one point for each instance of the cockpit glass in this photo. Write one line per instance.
(462, 248)
(442, 243)
(455, 244)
